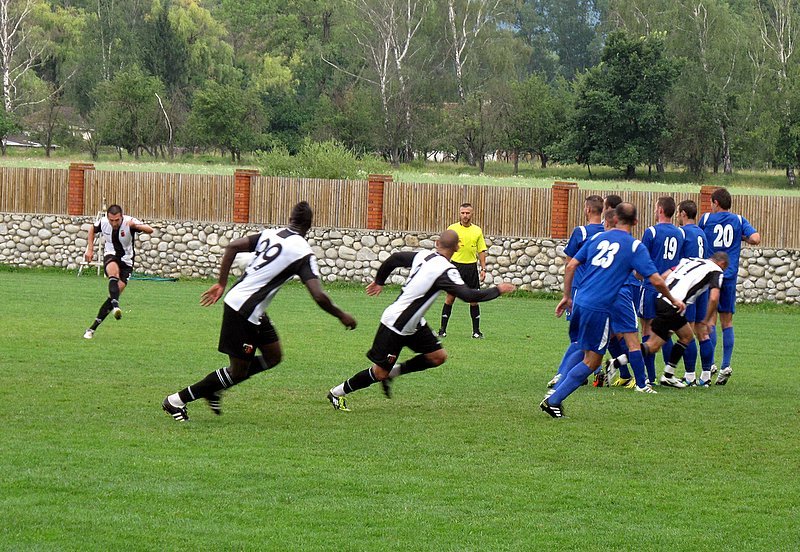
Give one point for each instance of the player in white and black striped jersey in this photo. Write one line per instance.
(280, 254)
(686, 282)
(118, 231)
(402, 323)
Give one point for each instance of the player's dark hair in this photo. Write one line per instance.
(668, 205)
(466, 205)
(722, 197)
(721, 257)
(626, 213)
(609, 215)
(612, 201)
(689, 207)
(302, 216)
(114, 209)
(595, 204)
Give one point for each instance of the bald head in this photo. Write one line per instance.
(626, 213)
(448, 240)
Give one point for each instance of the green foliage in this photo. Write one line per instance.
(329, 159)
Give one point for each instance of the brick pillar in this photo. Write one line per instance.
(241, 194)
(705, 199)
(375, 200)
(559, 209)
(77, 184)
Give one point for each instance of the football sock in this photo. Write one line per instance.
(666, 350)
(105, 309)
(675, 356)
(415, 364)
(636, 360)
(363, 379)
(574, 358)
(564, 367)
(649, 362)
(727, 346)
(712, 333)
(258, 365)
(446, 310)
(175, 400)
(706, 355)
(574, 379)
(113, 288)
(705, 375)
(690, 357)
(475, 314)
(689, 377)
(209, 385)
(615, 347)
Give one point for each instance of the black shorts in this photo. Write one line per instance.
(469, 273)
(124, 269)
(238, 337)
(667, 319)
(387, 345)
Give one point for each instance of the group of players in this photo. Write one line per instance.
(601, 289)
(676, 280)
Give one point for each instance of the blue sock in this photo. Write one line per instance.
(615, 347)
(706, 354)
(690, 356)
(727, 347)
(712, 333)
(649, 363)
(636, 360)
(574, 379)
(574, 358)
(565, 365)
(666, 350)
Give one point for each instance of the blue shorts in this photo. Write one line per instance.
(727, 295)
(647, 303)
(590, 329)
(623, 313)
(696, 312)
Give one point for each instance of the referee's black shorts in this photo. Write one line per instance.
(469, 273)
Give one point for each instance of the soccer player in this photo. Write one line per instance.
(280, 254)
(402, 323)
(472, 248)
(593, 211)
(609, 256)
(688, 281)
(725, 231)
(664, 242)
(118, 231)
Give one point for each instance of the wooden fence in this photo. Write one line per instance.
(499, 211)
(336, 203)
(33, 190)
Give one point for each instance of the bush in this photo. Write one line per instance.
(279, 162)
(329, 159)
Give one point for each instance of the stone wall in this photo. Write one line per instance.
(193, 250)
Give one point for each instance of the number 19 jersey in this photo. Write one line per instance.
(279, 255)
(609, 258)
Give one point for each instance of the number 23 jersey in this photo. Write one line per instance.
(279, 255)
(609, 258)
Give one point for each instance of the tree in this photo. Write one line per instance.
(228, 117)
(620, 113)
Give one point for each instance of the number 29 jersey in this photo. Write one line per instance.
(724, 232)
(279, 254)
(609, 258)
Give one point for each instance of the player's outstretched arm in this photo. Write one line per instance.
(89, 254)
(753, 239)
(401, 259)
(142, 227)
(322, 299)
(241, 245)
(659, 283)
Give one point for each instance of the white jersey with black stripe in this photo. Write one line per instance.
(279, 254)
(692, 277)
(430, 274)
(118, 242)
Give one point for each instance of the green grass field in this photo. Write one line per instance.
(460, 459)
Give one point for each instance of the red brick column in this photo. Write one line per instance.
(77, 184)
(705, 199)
(559, 209)
(375, 200)
(241, 194)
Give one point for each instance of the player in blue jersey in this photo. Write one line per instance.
(725, 231)
(593, 211)
(664, 242)
(694, 247)
(609, 257)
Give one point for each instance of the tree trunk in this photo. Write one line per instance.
(630, 172)
(660, 167)
(543, 158)
(515, 157)
(791, 177)
(727, 165)
(481, 162)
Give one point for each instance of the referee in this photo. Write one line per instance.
(472, 248)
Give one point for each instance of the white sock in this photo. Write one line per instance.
(669, 371)
(176, 401)
(338, 391)
(689, 376)
(620, 360)
(705, 375)
(395, 371)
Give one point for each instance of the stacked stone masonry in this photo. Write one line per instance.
(193, 250)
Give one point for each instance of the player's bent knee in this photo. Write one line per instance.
(437, 358)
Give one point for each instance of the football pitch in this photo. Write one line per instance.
(460, 459)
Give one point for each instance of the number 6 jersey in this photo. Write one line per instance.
(279, 254)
